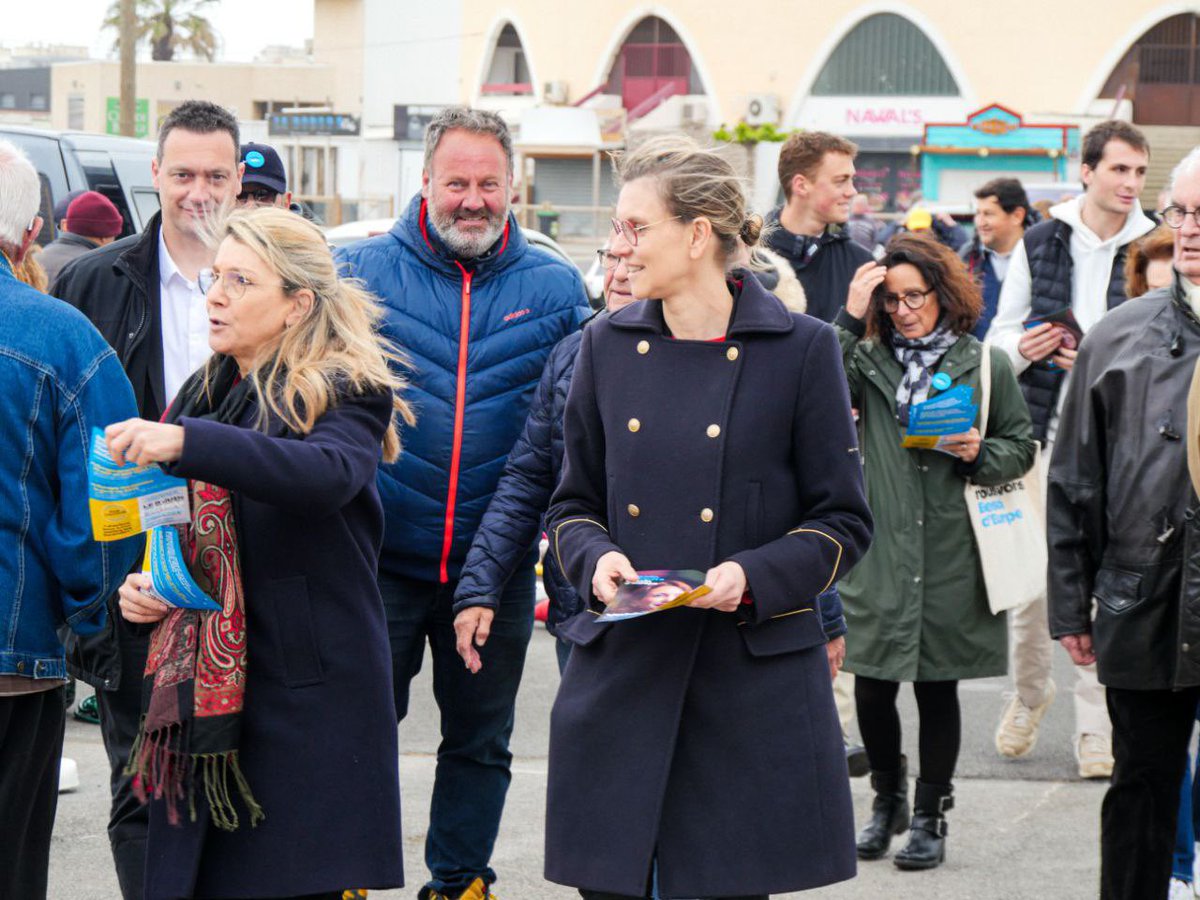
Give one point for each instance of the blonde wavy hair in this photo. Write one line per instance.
(300, 373)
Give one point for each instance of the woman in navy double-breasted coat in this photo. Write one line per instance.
(700, 748)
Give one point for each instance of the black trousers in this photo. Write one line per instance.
(940, 731)
(120, 714)
(31, 743)
(1151, 730)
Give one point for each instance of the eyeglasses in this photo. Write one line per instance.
(914, 300)
(629, 231)
(1175, 216)
(608, 260)
(258, 195)
(233, 284)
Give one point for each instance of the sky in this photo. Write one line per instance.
(245, 26)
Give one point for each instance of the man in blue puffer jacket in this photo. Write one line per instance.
(476, 311)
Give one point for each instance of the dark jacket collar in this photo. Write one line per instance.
(799, 249)
(75, 240)
(139, 260)
(755, 311)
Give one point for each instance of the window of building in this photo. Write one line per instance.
(509, 70)
(1160, 73)
(8, 101)
(38, 101)
(652, 65)
(885, 55)
(75, 112)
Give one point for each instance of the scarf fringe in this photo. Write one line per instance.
(162, 772)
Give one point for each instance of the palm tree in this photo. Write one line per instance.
(170, 26)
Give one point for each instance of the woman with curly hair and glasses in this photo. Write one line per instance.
(267, 750)
(916, 606)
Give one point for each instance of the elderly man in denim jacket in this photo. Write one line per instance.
(58, 379)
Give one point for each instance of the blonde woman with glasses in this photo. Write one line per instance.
(268, 747)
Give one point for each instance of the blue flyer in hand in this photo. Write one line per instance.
(171, 581)
(931, 422)
(128, 499)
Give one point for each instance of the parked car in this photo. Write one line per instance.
(117, 167)
(350, 232)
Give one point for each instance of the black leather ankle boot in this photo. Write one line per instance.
(889, 812)
(926, 847)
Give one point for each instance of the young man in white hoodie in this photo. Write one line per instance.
(1075, 260)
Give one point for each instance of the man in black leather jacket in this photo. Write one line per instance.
(1124, 536)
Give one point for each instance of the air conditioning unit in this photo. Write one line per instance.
(555, 92)
(761, 109)
(693, 113)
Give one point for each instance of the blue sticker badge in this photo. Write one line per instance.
(254, 159)
(941, 381)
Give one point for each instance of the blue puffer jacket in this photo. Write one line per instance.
(60, 380)
(514, 517)
(477, 338)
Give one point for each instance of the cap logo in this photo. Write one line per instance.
(254, 159)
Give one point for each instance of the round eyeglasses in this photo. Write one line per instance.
(630, 232)
(1175, 216)
(913, 299)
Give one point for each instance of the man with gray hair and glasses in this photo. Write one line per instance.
(1123, 524)
(58, 380)
(476, 309)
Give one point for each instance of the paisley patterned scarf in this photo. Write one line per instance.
(196, 669)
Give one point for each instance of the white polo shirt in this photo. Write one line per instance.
(184, 323)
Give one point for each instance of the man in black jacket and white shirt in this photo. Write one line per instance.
(1124, 537)
(1075, 260)
(142, 293)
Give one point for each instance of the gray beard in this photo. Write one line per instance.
(468, 246)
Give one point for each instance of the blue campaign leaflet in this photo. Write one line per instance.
(934, 420)
(128, 499)
(171, 581)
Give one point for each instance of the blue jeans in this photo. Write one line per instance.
(1184, 859)
(473, 760)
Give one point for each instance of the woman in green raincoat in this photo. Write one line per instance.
(916, 606)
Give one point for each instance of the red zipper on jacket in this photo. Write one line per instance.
(460, 404)
(460, 399)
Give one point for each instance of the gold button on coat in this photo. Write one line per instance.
(633, 510)
(643, 347)
(713, 431)
(634, 424)
(732, 353)
(706, 515)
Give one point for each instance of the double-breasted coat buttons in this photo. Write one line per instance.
(713, 430)
(634, 425)
(643, 347)
(706, 515)
(633, 510)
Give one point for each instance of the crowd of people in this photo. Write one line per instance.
(374, 440)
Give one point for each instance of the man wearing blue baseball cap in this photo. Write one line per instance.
(265, 181)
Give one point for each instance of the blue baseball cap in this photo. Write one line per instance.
(263, 166)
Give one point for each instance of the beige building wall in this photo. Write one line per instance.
(1039, 58)
(338, 43)
(236, 86)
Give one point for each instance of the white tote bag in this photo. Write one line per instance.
(1009, 524)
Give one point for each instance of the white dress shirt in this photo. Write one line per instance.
(184, 323)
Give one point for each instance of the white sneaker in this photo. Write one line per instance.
(1094, 755)
(1180, 890)
(1017, 733)
(68, 775)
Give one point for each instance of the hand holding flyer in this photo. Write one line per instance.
(129, 499)
(654, 591)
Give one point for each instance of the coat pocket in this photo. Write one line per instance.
(292, 619)
(582, 629)
(1117, 591)
(787, 633)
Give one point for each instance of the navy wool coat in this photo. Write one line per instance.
(318, 743)
(705, 740)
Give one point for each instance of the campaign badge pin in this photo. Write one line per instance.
(254, 159)
(941, 381)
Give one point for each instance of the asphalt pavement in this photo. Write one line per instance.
(1020, 829)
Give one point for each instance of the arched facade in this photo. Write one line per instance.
(1160, 73)
(885, 55)
(506, 69)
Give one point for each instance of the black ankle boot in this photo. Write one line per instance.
(926, 847)
(889, 812)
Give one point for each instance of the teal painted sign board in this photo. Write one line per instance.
(996, 138)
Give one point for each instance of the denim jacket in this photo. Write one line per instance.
(59, 379)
